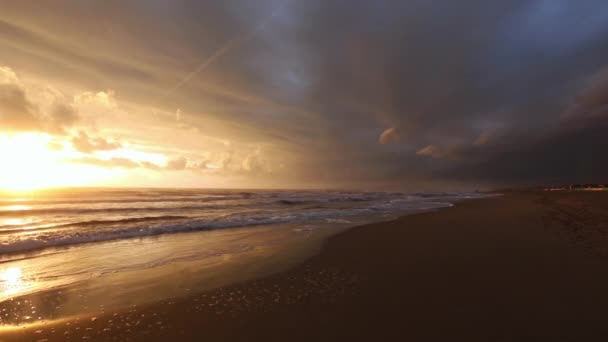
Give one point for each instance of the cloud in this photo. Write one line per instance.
(107, 163)
(567, 150)
(316, 91)
(149, 165)
(226, 163)
(389, 136)
(253, 162)
(117, 162)
(83, 143)
(220, 162)
(55, 145)
(483, 138)
(18, 113)
(431, 151)
(177, 164)
(591, 102)
(8, 76)
(62, 117)
(199, 165)
(596, 91)
(105, 99)
(226, 159)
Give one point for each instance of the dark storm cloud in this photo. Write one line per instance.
(499, 91)
(570, 149)
(481, 86)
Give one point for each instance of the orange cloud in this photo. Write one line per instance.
(389, 136)
(19, 113)
(83, 143)
(431, 151)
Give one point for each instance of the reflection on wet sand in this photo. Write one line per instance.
(15, 312)
(89, 280)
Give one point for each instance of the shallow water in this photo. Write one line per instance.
(82, 251)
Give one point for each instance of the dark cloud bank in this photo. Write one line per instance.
(387, 92)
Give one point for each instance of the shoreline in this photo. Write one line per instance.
(377, 279)
(211, 258)
(91, 302)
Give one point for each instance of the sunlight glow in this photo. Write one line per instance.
(11, 275)
(11, 281)
(19, 207)
(14, 222)
(28, 164)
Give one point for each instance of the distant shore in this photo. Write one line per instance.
(526, 266)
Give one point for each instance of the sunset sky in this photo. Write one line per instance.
(412, 94)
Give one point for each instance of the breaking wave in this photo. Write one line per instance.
(46, 223)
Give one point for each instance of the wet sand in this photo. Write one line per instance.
(527, 266)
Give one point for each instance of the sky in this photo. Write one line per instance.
(405, 95)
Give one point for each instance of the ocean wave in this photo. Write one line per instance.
(81, 210)
(204, 199)
(24, 227)
(160, 206)
(134, 228)
(75, 237)
(299, 208)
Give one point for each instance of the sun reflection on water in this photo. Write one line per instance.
(14, 222)
(11, 282)
(16, 207)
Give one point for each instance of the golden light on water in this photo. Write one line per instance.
(14, 222)
(16, 207)
(11, 281)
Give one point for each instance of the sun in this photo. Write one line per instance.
(27, 163)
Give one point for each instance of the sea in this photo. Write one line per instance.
(116, 247)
